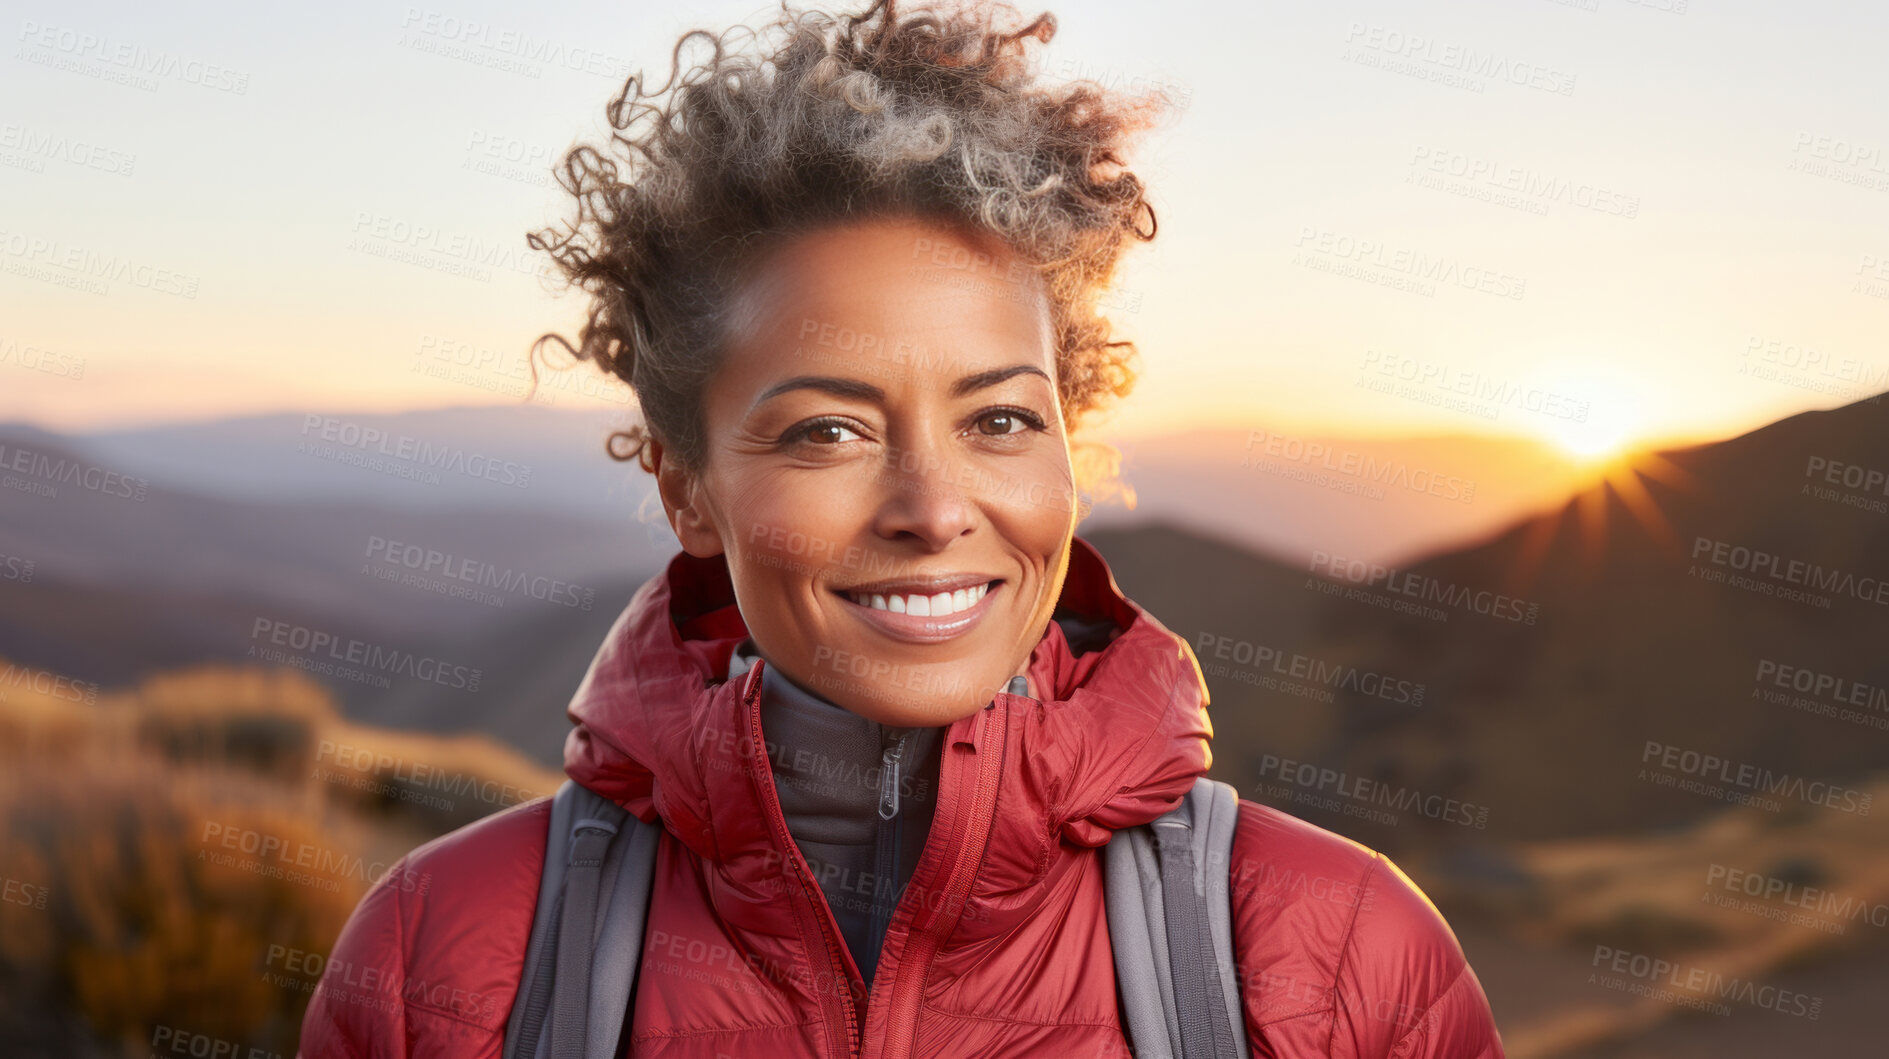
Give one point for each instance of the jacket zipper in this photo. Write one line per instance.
(889, 779)
(831, 999)
(915, 964)
(885, 893)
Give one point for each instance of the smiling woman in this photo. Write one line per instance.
(914, 466)
(852, 280)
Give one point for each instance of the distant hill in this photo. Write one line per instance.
(1272, 493)
(1544, 725)
(105, 578)
(515, 457)
(1380, 500)
(1633, 642)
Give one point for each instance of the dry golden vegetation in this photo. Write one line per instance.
(1701, 918)
(178, 857)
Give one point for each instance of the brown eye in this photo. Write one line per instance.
(1009, 421)
(819, 432)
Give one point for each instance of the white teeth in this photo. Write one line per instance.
(935, 606)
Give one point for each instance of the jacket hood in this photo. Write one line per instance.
(1118, 738)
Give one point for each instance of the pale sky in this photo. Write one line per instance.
(1592, 221)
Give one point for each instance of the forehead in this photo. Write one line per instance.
(897, 301)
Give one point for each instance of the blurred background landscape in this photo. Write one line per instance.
(143, 732)
(1509, 445)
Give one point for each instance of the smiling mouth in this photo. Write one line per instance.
(920, 604)
(920, 617)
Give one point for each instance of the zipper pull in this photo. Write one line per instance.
(889, 780)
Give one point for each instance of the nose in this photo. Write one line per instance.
(921, 497)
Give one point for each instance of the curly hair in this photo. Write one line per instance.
(934, 113)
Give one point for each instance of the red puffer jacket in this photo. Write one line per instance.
(1000, 944)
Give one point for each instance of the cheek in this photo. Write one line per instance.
(789, 528)
(1038, 511)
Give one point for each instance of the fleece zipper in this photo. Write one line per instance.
(885, 889)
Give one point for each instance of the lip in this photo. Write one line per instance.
(929, 586)
(915, 629)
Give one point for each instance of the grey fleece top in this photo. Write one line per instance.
(858, 796)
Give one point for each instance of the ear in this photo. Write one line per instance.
(684, 503)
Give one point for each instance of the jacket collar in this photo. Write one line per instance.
(1118, 739)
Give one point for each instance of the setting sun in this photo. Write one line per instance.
(1592, 441)
(1595, 422)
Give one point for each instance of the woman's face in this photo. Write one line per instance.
(887, 468)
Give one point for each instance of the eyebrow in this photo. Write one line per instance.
(868, 392)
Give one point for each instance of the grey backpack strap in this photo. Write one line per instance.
(1171, 925)
(586, 935)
